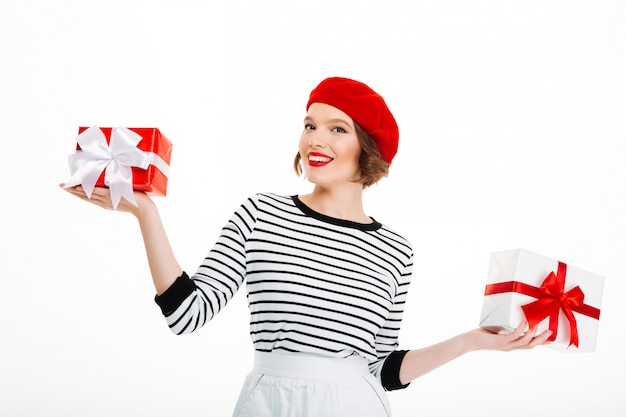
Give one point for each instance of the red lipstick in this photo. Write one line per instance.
(317, 159)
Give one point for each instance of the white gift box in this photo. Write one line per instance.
(521, 281)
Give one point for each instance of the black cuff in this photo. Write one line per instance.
(390, 374)
(174, 296)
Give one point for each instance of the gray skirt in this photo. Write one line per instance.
(299, 385)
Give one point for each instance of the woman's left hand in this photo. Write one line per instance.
(481, 339)
(418, 362)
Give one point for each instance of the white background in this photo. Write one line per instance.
(512, 135)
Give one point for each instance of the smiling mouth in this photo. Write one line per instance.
(319, 160)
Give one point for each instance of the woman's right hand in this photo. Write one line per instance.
(101, 196)
(163, 265)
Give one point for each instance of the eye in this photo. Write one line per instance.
(340, 130)
(309, 126)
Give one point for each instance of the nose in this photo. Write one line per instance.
(316, 140)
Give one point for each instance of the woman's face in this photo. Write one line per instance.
(329, 147)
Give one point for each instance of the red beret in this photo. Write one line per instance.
(365, 107)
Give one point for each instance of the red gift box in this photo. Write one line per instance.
(151, 180)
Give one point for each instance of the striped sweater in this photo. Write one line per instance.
(315, 284)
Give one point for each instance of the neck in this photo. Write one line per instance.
(341, 203)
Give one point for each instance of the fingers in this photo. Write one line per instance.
(529, 335)
(542, 339)
(522, 339)
(516, 336)
(530, 339)
(75, 191)
(519, 330)
(100, 196)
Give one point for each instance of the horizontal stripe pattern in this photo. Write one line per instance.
(314, 284)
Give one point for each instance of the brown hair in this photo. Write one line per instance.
(372, 165)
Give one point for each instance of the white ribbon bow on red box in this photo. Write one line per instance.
(116, 159)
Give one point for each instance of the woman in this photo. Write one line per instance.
(326, 283)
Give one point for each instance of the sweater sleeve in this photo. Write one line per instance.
(192, 302)
(175, 294)
(387, 367)
(390, 374)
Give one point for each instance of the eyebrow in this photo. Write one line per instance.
(331, 121)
